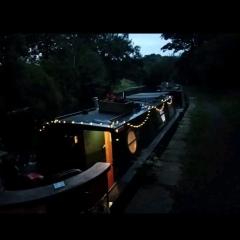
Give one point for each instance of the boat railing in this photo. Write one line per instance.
(27, 196)
(76, 113)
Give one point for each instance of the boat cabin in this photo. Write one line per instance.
(90, 150)
(115, 133)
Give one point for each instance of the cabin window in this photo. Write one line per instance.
(132, 141)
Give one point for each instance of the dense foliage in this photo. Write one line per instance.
(209, 60)
(53, 73)
(60, 73)
(157, 69)
(56, 73)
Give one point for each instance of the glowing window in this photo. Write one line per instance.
(132, 141)
(75, 139)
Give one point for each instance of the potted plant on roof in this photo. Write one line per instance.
(115, 104)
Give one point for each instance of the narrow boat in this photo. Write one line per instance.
(83, 155)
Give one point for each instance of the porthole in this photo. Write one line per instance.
(132, 141)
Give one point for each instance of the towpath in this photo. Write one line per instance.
(199, 170)
(162, 174)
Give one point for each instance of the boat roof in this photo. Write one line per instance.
(92, 116)
(147, 97)
(111, 121)
(95, 118)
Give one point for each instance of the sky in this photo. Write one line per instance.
(149, 43)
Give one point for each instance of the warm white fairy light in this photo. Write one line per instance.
(141, 124)
(168, 100)
(160, 109)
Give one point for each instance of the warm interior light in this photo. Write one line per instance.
(132, 141)
(109, 156)
(110, 204)
(75, 139)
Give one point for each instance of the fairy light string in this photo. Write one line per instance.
(169, 101)
(160, 110)
(141, 124)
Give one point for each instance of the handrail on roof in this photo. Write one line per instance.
(75, 113)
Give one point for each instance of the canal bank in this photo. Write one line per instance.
(160, 175)
(198, 172)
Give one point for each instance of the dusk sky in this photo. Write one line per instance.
(149, 43)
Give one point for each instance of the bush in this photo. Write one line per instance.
(124, 84)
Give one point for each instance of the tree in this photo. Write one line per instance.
(158, 68)
(76, 65)
(211, 61)
(118, 54)
(12, 48)
(186, 41)
(39, 91)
